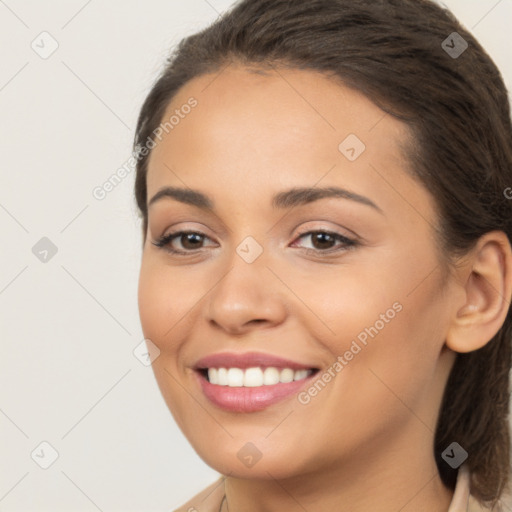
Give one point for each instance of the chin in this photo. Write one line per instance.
(245, 460)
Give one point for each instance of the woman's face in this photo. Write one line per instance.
(347, 285)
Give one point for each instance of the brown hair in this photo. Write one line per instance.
(458, 113)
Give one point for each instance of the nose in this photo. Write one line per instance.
(247, 297)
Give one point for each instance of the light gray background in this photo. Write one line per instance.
(69, 326)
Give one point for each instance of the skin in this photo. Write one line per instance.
(365, 441)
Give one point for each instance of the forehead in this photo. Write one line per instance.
(254, 131)
(297, 105)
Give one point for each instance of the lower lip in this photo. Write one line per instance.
(242, 399)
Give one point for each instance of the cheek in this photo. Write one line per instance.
(151, 301)
(163, 304)
(388, 326)
(346, 302)
(399, 362)
(165, 297)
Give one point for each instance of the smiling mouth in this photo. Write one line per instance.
(251, 381)
(254, 388)
(255, 376)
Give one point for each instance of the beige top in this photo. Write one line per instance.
(209, 500)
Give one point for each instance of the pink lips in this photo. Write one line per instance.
(244, 399)
(247, 360)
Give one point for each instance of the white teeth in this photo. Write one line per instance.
(270, 376)
(286, 375)
(213, 375)
(254, 377)
(300, 374)
(235, 377)
(222, 377)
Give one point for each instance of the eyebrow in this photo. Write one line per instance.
(286, 199)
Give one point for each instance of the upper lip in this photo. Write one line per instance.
(247, 360)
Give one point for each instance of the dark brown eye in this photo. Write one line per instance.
(322, 240)
(190, 240)
(325, 241)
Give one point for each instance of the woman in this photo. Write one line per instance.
(327, 269)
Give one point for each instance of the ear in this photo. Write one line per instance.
(486, 280)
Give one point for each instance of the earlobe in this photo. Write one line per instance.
(487, 287)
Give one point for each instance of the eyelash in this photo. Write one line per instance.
(348, 243)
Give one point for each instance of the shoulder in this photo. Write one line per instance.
(208, 500)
